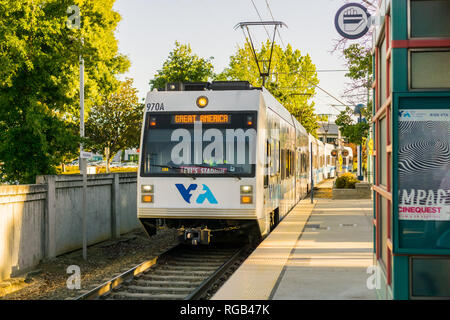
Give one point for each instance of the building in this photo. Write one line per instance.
(411, 125)
(328, 132)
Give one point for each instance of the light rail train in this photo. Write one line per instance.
(223, 160)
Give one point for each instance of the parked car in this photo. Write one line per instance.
(130, 165)
(115, 164)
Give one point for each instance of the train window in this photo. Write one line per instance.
(286, 159)
(303, 162)
(273, 158)
(308, 161)
(267, 165)
(289, 168)
(293, 163)
(215, 148)
(289, 173)
(279, 158)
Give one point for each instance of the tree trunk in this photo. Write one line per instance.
(107, 159)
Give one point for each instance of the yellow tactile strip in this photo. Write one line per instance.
(256, 277)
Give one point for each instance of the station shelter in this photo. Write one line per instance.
(411, 157)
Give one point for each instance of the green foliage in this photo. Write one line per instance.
(292, 81)
(116, 122)
(346, 181)
(39, 86)
(355, 132)
(183, 66)
(359, 61)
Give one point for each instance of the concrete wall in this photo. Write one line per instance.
(22, 224)
(45, 220)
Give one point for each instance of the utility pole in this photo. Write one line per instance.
(369, 158)
(74, 22)
(312, 173)
(358, 111)
(83, 166)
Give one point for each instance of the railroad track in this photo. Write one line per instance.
(180, 273)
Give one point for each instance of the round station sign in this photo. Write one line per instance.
(352, 21)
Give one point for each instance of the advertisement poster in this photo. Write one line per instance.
(424, 164)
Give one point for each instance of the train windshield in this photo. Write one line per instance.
(199, 144)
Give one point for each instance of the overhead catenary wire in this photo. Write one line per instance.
(329, 94)
(299, 73)
(278, 31)
(260, 18)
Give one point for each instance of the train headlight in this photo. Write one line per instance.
(246, 189)
(147, 188)
(148, 198)
(202, 101)
(246, 199)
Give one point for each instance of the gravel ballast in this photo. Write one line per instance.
(48, 280)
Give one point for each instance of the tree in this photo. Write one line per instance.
(355, 132)
(359, 61)
(292, 78)
(116, 122)
(183, 66)
(39, 63)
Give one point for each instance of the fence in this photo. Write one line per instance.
(44, 220)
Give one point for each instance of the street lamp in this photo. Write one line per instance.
(358, 111)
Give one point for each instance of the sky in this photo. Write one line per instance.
(149, 28)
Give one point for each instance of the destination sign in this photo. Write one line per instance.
(204, 118)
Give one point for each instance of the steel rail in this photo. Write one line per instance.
(134, 273)
(207, 283)
(127, 275)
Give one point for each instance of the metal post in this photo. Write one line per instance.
(312, 174)
(74, 22)
(338, 168)
(360, 176)
(83, 167)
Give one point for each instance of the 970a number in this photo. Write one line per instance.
(155, 106)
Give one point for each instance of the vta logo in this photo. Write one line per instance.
(187, 193)
(404, 114)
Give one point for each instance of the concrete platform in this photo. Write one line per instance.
(319, 251)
